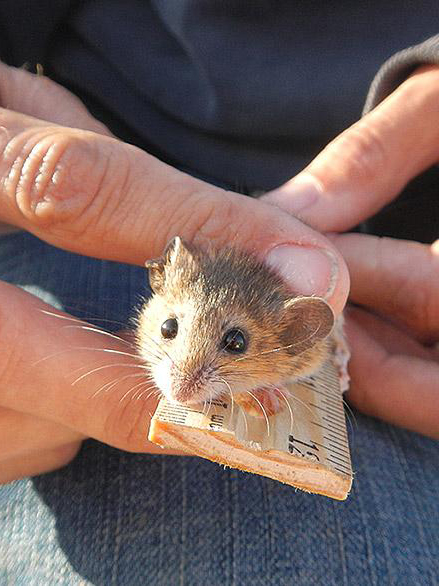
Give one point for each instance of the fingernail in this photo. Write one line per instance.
(301, 194)
(308, 271)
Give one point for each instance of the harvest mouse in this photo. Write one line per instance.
(220, 321)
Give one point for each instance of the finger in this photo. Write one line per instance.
(38, 462)
(368, 164)
(58, 369)
(40, 97)
(391, 337)
(395, 387)
(398, 278)
(21, 433)
(97, 196)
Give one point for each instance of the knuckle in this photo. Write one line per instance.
(417, 307)
(362, 391)
(362, 147)
(410, 295)
(51, 176)
(412, 291)
(197, 215)
(215, 221)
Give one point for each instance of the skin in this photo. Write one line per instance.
(65, 179)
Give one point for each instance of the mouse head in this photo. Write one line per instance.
(221, 321)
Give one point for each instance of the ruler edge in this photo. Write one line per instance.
(156, 436)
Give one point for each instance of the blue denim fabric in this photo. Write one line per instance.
(113, 518)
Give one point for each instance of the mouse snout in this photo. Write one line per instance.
(187, 388)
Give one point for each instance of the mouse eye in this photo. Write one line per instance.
(234, 342)
(169, 328)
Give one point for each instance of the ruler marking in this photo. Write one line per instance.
(332, 449)
(341, 469)
(341, 423)
(329, 386)
(331, 411)
(340, 444)
(337, 405)
(337, 422)
(321, 386)
(342, 459)
(339, 411)
(173, 416)
(343, 440)
(328, 397)
(331, 430)
(340, 420)
(337, 399)
(341, 465)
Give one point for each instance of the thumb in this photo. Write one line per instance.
(371, 162)
(97, 196)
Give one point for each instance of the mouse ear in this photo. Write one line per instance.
(156, 273)
(174, 250)
(310, 319)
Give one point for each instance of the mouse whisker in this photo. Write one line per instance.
(230, 392)
(262, 409)
(287, 403)
(84, 348)
(91, 328)
(153, 392)
(87, 317)
(110, 351)
(107, 386)
(156, 352)
(293, 344)
(204, 406)
(84, 367)
(279, 348)
(352, 422)
(151, 359)
(291, 395)
(140, 387)
(159, 347)
(235, 377)
(83, 324)
(242, 410)
(208, 404)
(130, 391)
(209, 366)
(115, 382)
(119, 364)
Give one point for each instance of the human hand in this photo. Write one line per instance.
(89, 193)
(395, 364)
(395, 358)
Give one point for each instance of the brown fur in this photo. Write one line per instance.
(211, 292)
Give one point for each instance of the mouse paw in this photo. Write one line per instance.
(265, 399)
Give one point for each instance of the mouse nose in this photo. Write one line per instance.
(187, 388)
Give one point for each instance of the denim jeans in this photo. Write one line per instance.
(114, 518)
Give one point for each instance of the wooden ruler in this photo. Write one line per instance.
(305, 445)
